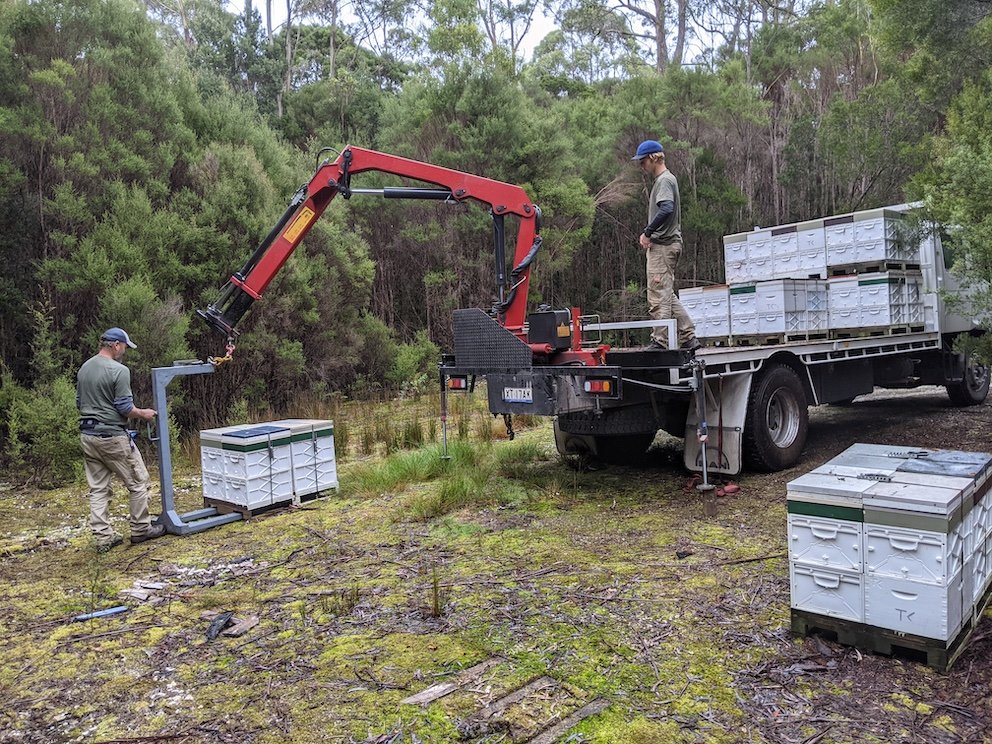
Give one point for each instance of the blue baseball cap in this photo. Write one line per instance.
(118, 334)
(647, 147)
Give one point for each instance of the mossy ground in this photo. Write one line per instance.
(378, 592)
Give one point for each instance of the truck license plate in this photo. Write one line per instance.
(518, 395)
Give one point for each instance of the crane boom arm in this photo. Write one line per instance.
(334, 177)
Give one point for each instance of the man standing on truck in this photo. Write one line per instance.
(662, 241)
(103, 397)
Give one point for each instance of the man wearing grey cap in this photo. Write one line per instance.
(103, 397)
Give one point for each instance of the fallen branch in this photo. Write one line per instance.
(750, 560)
(119, 631)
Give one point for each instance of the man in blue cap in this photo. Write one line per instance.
(103, 397)
(662, 241)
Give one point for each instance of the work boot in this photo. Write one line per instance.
(156, 530)
(694, 345)
(108, 546)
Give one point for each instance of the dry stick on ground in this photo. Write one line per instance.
(108, 633)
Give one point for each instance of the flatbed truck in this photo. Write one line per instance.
(756, 397)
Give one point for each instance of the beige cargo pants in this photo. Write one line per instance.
(105, 457)
(662, 300)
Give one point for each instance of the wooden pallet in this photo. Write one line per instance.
(876, 331)
(808, 336)
(872, 267)
(758, 339)
(937, 654)
(316, 495)
(223, 507)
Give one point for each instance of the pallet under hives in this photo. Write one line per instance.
(939, 655)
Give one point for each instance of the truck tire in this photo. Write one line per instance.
(777, 420)
(972, 389)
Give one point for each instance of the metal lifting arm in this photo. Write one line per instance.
(333, 178)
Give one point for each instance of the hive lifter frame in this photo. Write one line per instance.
(174, 522)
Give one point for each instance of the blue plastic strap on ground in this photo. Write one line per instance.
(101, 613)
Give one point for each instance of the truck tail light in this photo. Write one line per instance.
(599, 386)
(458, 383)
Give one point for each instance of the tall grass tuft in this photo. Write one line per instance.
(413, 433)
(485, 431)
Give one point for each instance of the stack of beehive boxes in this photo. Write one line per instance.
(894, 539)
(808, 253)
(261, 465)
(312, 451)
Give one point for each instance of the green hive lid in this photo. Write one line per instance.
(735, 238)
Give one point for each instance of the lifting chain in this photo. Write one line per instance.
(508, 421)
(228, 356)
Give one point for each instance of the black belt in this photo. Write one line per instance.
(87, 425)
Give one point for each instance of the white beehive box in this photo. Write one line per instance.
(743, 300)
(314, 465)
(759, 245)
(785, 253)
(735, 248)
(882, 296)
(810, 238)
(839, 238)
(744, 325)
(713, 327)
(716, 301)
(843, 302)
(247, 466)
(825, 543)
(692, 300)
(831, 593)
(878, 235)
(918, 511)
(913, 607)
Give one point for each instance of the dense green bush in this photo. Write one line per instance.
(42, 435)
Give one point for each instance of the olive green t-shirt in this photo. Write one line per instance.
(99, 384)
(666, 188)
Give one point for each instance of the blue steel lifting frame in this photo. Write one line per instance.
(174, 522)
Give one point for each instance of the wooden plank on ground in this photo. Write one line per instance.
(497, 706)
(435, 692)
(552, 734)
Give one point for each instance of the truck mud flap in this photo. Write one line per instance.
(726, 411)
(525, 392)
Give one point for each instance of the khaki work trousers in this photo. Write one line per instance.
(105, 457)
(662, 300)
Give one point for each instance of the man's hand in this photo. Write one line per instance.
(645, 241)
(145, 414)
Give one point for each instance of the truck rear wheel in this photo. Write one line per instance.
(973, 387)
(777, 420)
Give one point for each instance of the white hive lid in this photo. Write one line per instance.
(909, 497)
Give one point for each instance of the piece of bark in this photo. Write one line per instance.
(241, 626)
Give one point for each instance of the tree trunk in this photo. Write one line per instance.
(660, 42)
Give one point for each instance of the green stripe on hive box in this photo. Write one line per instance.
(830, 511)
(747, 289)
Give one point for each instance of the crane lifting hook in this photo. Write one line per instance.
(228, 356)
